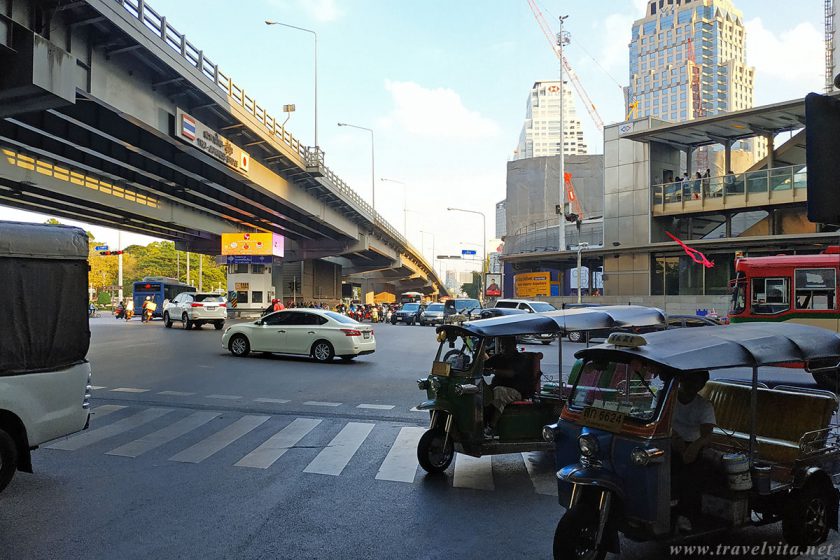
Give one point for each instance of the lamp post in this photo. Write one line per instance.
(315, 35)
(562, 39)
(581, 246)
(422, 238)
(405, 198)
(372, 174)
(483, 245)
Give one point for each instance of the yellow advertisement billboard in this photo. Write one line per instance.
(532, 284)
(252, 244)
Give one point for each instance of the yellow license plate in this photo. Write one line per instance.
(441, 368)
(609, 420)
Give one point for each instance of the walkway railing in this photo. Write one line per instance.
(309, 156)
(764, 182)
(543, 236)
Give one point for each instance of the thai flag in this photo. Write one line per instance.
(187, 126)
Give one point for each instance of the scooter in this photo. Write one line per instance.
(147, 316)
(119, 312)
(129, 313)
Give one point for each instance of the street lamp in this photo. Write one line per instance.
(405, 198)
(315, 35)
(483, 244)
(422, 239)
(372, 174)
(581, 246)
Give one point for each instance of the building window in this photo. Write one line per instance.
(256, 297)
(242, 296)
(257, 269)
(237, 269)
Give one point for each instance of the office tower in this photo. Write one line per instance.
(540, 134)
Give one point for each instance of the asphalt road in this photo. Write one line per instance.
(193, 453)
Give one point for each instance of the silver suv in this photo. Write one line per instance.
(194, 309)
(529, 306)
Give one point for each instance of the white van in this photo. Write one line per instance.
(44, 376)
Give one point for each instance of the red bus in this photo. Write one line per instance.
(800, 288)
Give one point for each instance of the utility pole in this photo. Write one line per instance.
(200, 272)
(562, 39)
(188, 267)
(120, 265)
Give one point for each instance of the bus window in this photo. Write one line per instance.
(770, 296)
(815, 288)
(739, 295)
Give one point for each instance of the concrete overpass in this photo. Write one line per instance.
(111, 116)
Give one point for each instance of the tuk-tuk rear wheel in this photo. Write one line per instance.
(806, 520)
(574, 538)
(431, 453)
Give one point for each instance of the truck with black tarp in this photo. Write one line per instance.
(44, 339)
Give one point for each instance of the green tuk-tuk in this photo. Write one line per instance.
(458, 389)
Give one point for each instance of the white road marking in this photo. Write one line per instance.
(129, 390)
(225, 397)
(322, 403)
(218, 441)
(165, 435)
(104, 410)
(473, 472)
(93, 436)
(274, 447)
(545, 481)
(340, 450)
(376, 406)
(400, 465)
(176, 393)
(97, 387)
(274, 401)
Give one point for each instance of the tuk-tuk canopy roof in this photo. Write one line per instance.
(580, 319)
(727, 346)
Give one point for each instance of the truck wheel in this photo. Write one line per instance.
(431, 453)
(806, 519)
(575, 536)
(8, 459)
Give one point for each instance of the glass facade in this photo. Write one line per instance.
(681, 276)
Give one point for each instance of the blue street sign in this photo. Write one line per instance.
(101, 248)
(249, 259)
(467, 252)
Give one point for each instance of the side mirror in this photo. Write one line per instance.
(260, 322)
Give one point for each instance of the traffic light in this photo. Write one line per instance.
(109, 253)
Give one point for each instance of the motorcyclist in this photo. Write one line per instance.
(119, 312)
(129, 309)
(147, 312)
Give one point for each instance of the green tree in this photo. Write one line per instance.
(161, 259)
(52, 222)
(472, 288)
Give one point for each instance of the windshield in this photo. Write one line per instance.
(541, 307)
(630, 389)
(341, 318)
(464, 304)
(438, 307)
(411, 307)
(459, 352)
(506, 304)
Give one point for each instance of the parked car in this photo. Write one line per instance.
(317, 333)
(194, 309)
(460, 308)
(409, 313)
(580, 336)
(432, 315)
(530, 306)
(688, 321)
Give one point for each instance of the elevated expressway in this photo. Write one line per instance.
(93, 100)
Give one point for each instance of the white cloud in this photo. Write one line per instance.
(794, 56)
(435, 113)
(319, 10)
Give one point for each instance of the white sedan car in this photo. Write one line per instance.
(308, 332)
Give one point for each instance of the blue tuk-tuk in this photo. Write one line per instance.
(774, 453)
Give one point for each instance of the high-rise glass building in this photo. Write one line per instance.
(540, 134)
(664, 79)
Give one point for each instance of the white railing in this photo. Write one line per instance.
(308, 156)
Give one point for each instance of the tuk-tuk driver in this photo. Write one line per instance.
(511, 380)
(691, 430)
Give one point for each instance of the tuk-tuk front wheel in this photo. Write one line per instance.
(575, 536)
(806, 520)
(435, 451)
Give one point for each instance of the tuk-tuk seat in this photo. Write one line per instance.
(782, 417)
(534, 365)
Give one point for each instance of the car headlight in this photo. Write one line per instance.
(422, 384)
(549, 433)
(643, 457)
(588, 445)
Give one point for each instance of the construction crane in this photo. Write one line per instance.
(829, 46)
(552, 39)
(571, 210)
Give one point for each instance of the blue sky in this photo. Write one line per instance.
(443, 83)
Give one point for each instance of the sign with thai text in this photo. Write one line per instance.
(532, 284)
(193, 131)
(262, 243)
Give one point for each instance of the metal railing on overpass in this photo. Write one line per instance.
(310, 156)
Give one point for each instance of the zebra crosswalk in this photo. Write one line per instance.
(261, 441)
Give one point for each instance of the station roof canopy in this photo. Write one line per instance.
(717, 129)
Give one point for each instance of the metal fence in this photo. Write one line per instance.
(309, 156)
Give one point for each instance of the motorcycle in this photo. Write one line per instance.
(119, 312)
(129, 313)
